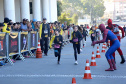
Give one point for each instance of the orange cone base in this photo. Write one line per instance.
(38, 54)
(98, 56)
(87, 76)
(93, 64)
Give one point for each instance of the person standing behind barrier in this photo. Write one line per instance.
(1, 27)
(24, 26)
(6, 21)
(44, 34)
(57, 39)
(76, 37)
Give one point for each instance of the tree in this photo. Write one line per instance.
(94, 8)
(59, 8)
(75, 19)
(64, 17)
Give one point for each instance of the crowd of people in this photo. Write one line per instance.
(56, 35)
(47, 31)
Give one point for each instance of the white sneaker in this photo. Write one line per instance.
(76, 63)
(81, 50)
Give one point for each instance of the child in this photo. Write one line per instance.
(76, 37)
(57, 39)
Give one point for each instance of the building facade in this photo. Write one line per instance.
(16, 10)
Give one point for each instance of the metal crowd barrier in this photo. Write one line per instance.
(17, 43)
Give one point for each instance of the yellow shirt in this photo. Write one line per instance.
(5, 28)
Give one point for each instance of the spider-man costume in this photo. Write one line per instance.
(111, 27)
(107, 34)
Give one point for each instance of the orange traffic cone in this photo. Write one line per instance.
(108, 43)
(87, 74)
(39, 52)
(98, 53)
(73, 81)
(103, 48)
(93, 62)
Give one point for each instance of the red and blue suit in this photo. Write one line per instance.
(116, 32)
(107, 34)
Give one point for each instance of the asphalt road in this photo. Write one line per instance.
(46, 70)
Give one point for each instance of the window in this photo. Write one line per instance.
(30, 4)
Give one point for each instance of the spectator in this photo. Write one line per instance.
(29, 26)
(9, 26)
(1, 26)
(6, 21)
(18, 26)
(64, 26)
(24, 25)
(15, 27)
(34, 24)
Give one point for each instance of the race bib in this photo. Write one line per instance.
(75, 40)
(45, 31)
(93, 35)
(56, 46)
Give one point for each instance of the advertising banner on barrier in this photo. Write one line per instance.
(13, 43)
(2, 45)
(33, 40)
(24, 41)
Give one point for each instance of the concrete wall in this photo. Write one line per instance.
(1, 11)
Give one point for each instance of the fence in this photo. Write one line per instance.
(17, 43)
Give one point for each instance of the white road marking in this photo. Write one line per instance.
(65, 76)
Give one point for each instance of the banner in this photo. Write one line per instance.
(33, 40)
(24, 41)
(2, 45)
(13, 43)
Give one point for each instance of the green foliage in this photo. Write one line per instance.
(74, 9)
(75, 19)
(64, 17)
(95, 8)
(59, 8)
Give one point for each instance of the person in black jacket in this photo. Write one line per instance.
(57, 39)
(44, 34)
(76, 37)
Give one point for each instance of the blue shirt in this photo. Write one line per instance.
(24, 26)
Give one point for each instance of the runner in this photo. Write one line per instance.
(76, 37)
(57, 39)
